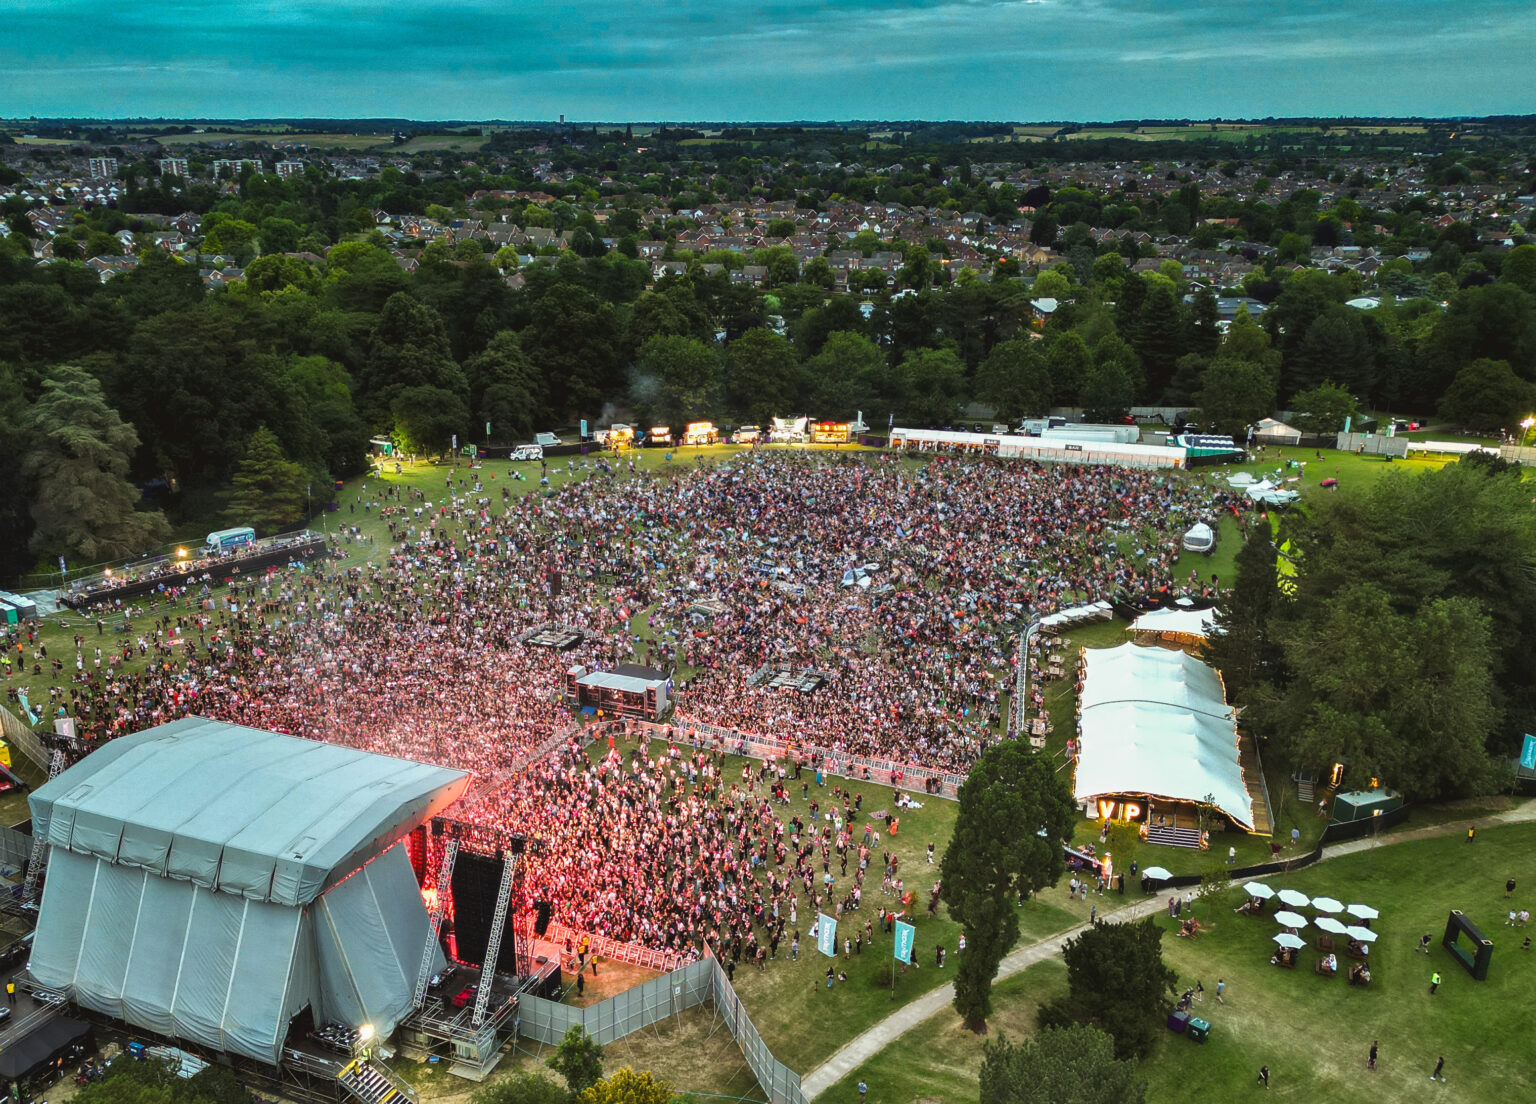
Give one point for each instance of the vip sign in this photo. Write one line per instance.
(1120, 810)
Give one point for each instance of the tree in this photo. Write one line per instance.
(848, 374)
(1116, 979)
(762, 376)
(1014, 380)
(505, 390)
(1069, 361)
(1014, 812)
(578, 1059)
(677, 376)
(269, 492)
(426, 419)
(77, 459)
(932, 381)
(1410, 701)
(1486, 395)
(1324, 408)
(628, 1087)
(1107, 393)
(1059, 1065)
(1241, 647)
(523, 1087)
(573, 340)
(1234, 394)
(409, 349)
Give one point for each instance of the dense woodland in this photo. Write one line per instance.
(328, 340)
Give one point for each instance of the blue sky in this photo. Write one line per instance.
(765, 59)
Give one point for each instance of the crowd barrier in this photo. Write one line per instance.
(600, 946)
(546, 1021)
(21, 737)
(881, 771)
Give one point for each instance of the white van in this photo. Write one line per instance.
(546, 440)
(528, 452)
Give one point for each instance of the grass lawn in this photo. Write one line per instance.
(940, 1060)
(1312, 1032)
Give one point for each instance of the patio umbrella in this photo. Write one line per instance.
(1156, 873)
(1331, 926)
(1363, 912)
(1291, 919)
(1292, 942)
(1258, 889)
(1365, 935)
(1327, 904)
(1293, 897)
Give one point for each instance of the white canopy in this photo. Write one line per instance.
(1155, 722)
(1178, 621)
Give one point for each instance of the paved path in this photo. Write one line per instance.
(864, 1047)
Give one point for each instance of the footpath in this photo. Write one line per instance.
(865, 1046)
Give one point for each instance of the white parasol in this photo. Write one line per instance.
(1156, 873)
(1293, 897)
(1331, 926)
(1258, 889)
(1289, 941)
(1291, 919)
(1327, 904)
(1363, 912)
(1365, 935)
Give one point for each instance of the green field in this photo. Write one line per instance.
(1312, 1032)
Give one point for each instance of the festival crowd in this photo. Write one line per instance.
(715, 571)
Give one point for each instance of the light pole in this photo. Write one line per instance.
(1525, 427)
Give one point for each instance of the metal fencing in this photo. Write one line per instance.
(15, 849)
(885, 772)
(701, 982)
(22, 738)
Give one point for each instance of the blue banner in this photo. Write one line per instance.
(906, 935)
(826, 935)
(1528, 753)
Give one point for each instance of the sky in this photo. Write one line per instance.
(747, 60)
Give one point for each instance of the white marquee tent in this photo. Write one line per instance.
(1182, 623)
(1155, 722)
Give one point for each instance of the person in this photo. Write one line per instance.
(1295, 837)
(1471, 834)
(1526, 945)
(863, 1089)
(1221, 987)
(1424, 943)
(960, 943)
(831, 973)
(1434, 982)
(1439, 1067)
(1264, 1076)
(940, 956)
(930, 858)
(581, 984)
(1371, 1062)
(1509, 888)
(1231, 855)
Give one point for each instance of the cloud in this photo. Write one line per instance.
(748, 59)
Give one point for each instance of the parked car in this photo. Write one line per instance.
(528, 452)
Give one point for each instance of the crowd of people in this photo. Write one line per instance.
(715, 572)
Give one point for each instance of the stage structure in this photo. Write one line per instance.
(233, 889)
(472, 1012)
(629, 690)
(558, 638)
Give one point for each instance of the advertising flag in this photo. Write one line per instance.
(826, 935)
(906, 935)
